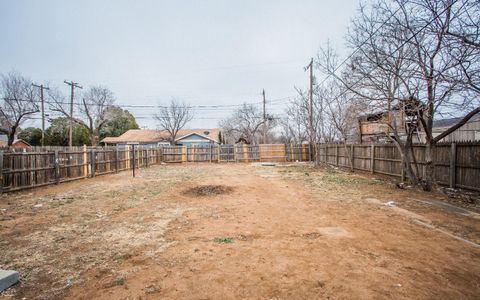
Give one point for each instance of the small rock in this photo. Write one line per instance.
(397, 285)
(389, 203)
(40, 205)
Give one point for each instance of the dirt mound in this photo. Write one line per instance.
(208, 190)
(311, 235)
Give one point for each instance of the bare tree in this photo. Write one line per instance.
(342, 111)
(293, 125)
(18, 103)
(419, 56)
(93, 109)
(440, 72)
(174, 117)
(383, 68)
(246, 124)
(463, 37)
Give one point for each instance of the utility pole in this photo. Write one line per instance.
(41, 87)
(310, 107)
(70, 127)
(264, 119)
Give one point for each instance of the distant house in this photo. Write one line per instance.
(16, 144)
(468, 132)
(374, 127)
(154, 138)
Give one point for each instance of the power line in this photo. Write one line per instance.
(277, 101)
(358, 48)
(396, 49)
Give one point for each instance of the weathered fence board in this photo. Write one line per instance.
(457, 165)
(38, 166)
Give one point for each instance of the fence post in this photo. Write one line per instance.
(127, 157)
(245, 152)
(291, 155)
(116, 160)
(326, 153)
(184, 153)
(211, 149)
(1, 172)
(146, 158)
(453, 164)
(336, 155)
(85, 161)
(321, 153)
(218, 153)
(92, 162)
(351, 157)
(303, 152)
(372, 159)
(134, 160)
(57, 167)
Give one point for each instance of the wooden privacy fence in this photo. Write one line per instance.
(39, 166)
(237, 153)
(53, 165)
(457, 165)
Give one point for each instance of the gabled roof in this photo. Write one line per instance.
(199, 134)
(137, 135)
(146, 136)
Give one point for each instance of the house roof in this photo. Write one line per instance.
(199, 134)
(147, 136)
(4, 143)
(452, 121)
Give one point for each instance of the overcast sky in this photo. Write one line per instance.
(146, 52)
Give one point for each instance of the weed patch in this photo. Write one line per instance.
(223, 240)
(120, 281)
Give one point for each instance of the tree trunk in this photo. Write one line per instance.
(11, 137)
(407, 162)
(404, 149)
(348, 154)
(429, 166)
(93, 139)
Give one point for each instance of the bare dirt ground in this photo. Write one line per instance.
(258, 232)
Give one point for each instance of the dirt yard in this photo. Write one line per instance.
(210, 231)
